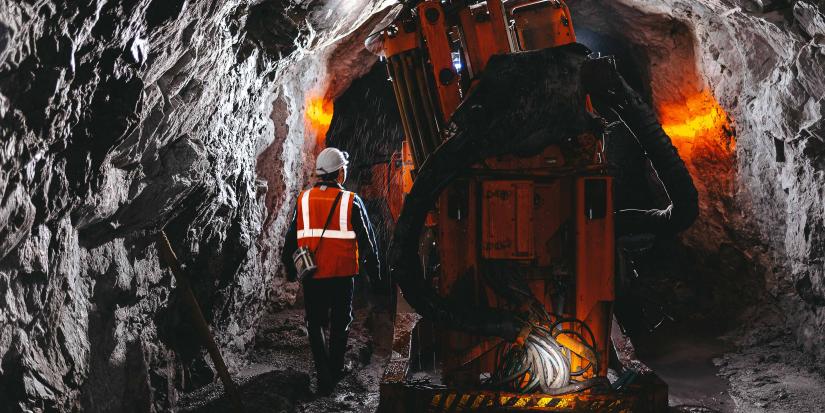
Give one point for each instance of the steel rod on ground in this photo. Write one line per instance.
(170, 260)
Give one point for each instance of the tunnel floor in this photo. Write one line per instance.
(682, 355)
(753, 368)
(278, 374)
(752, 365)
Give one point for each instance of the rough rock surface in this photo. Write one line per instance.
(120, 118)
(769, 372)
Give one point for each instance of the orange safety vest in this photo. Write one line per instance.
(338, 254)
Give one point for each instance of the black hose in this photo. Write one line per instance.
(613, 96)
(684, 207)
(580, 386)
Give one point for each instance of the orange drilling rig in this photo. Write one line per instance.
(506, 240)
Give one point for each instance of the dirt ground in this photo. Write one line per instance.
(754, 368)
(751, 369)
(768, 372)
(279, 377)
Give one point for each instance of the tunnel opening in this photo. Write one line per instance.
(204, 119)
(701, 281)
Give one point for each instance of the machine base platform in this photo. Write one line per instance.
(415, 398)
(646, 394)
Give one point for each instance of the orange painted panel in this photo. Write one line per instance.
(499, 23)
(487, 45)
(524, 219)
(595, 255)
(507, 220)
(399, 42)
(552, 207)
(457, 234)
(471, 42)
(482, 37)
(542, 25)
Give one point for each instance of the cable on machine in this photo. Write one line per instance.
(541, 362)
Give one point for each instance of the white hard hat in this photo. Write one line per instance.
(330, 160)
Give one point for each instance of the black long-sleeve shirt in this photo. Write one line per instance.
(367, 246)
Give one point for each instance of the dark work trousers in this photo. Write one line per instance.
(328, 303)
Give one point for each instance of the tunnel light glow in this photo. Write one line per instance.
(319, 117)
(698, 120)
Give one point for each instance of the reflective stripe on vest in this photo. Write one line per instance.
(343, 217)
(343, 220)
(332, 234)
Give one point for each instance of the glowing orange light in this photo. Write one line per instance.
(698, 120)
(319, 116)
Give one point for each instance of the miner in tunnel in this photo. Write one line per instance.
(329, 240)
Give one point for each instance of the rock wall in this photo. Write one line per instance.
(120, 118)
(761, 202)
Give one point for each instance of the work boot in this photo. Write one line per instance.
(325, 385)
(337, 351)
(323, 372)
(343, 372)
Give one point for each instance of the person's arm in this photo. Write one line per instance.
(367, 246)
(290, 246)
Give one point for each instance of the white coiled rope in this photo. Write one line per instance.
(547, 362)
(542, 363)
